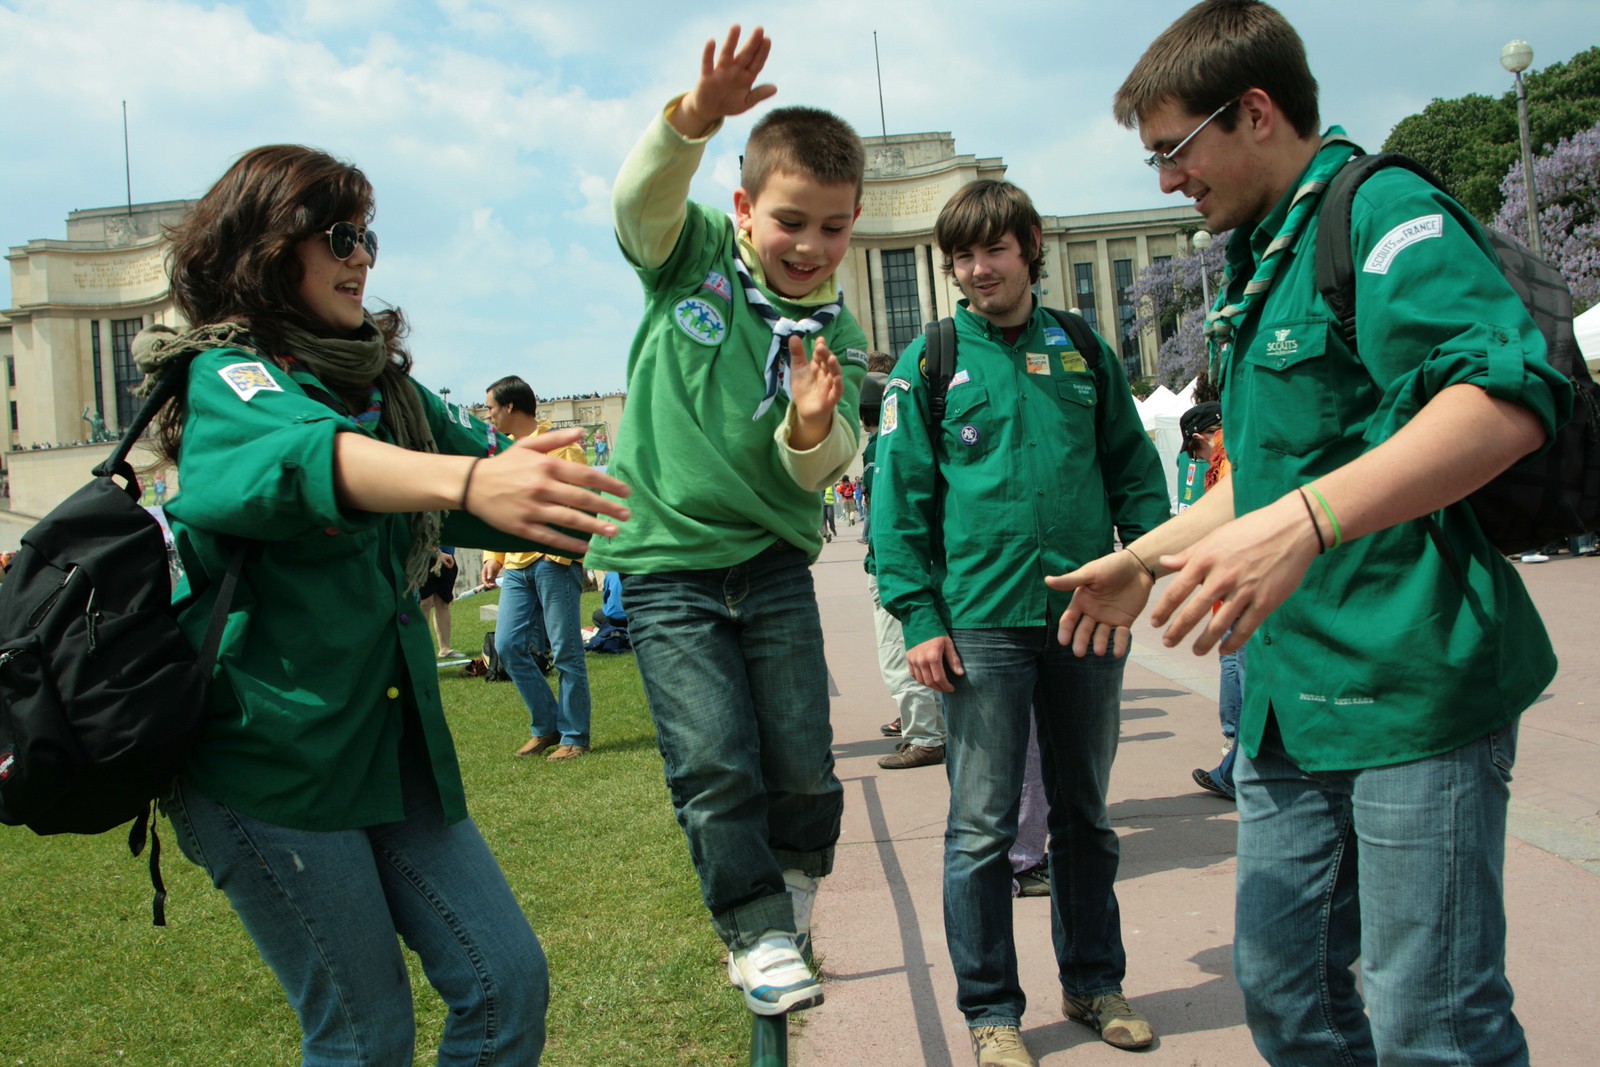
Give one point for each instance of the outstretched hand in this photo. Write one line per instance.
(1108, 594)
(727, 84)
(527, 492)
(815, 384)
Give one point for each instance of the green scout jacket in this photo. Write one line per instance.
(869, 474)
(1040, 457)
(326, 650)
(1191, 480)
(1382, 655)
(709, 490)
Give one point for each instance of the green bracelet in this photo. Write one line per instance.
(1338, 537)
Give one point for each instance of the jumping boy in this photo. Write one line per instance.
(730, 434)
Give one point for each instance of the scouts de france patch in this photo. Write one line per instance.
(248, 379)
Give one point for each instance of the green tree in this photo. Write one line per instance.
(1471, 141)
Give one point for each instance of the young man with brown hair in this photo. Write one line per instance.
(1392, 649)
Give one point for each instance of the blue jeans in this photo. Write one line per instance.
(1076, 704)
(1399, 866)
(327, 911)
(521, 627)
(733, 668)
(1230, 703)
(560, 587)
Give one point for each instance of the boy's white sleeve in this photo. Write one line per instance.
(820, 467)
(650, 201)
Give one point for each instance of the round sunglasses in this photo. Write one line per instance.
(344, 236)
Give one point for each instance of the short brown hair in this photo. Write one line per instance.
(983, 212)
(1214, 53)
(806, 141)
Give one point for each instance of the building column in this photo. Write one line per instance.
(880, 306)
(924, 288)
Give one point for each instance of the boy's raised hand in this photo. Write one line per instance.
(727, 84)
(815, 386)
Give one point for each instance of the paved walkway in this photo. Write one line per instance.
(879, 924)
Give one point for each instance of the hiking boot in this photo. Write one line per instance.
(908, 755)
(802, 895)
(1111, 1014)
(1033, 882)
(562, 752)
(890, 729)
(773, 976)
(539, 744)
(1001, 1046)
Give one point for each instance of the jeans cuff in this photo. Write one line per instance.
(814, 864)
(741, 927)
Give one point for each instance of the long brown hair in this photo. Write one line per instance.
(233, 258)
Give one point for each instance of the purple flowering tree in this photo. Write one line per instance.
(1567, 184)
(1168, 297)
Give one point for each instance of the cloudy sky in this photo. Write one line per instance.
(492, 129)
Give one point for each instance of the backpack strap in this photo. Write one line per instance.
(939, 363)
(167, 384)
(1335, 262)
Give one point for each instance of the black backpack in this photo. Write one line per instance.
(1534, 503)
(101, 695)
(495, 671)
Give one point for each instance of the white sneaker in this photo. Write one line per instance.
(802, 895)
(1535, 557)
(774, 978)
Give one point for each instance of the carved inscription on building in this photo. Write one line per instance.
(900, 203)
(97, 273)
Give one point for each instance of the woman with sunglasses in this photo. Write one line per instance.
(325, 799)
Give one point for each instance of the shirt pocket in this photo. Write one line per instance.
(969, 426)
(1294, 395)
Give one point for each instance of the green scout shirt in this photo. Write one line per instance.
(869, 474)
(709, 489)
(1040, 457)
(326, 650)
(1382, 656)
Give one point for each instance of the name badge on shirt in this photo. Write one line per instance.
(1073, 363)
(1038, 363)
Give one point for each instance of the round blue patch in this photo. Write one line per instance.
(969, 434)
(700, 321)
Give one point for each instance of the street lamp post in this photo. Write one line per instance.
(444, 394)
(1517, 56)
(1200, 242)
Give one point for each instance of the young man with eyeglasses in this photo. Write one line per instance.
(1039, 456)
(1392, 648)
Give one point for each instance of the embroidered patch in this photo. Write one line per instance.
(463, 418)
(5, 766)
(855, 356)
(1283, 344)
(719, 285)
(889, 416)
(1074, 363)
(1055, 336)
(897, 383)
(960, 377)
(1038, 363)
(1400, 238)
(248, 379)
(969, 434)
(702, 322)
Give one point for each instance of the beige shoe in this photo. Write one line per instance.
(1119, 1025)
(908, 755)
(566, 752)
(539, 744)
(1001, 1046)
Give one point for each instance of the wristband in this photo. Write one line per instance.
(1141, 563)
(466, 486)
(1321, 541)
(1338, 537)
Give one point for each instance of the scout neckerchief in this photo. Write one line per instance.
(783, 328)
(1225, 320)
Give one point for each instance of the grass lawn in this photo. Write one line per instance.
(590, 847)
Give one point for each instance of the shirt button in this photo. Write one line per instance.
(394, 693)
(331, 532)
(404, 618)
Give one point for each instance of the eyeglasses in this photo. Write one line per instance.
(1160, 161)
(344, 236)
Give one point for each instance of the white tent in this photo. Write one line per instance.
(1160, 413)
(1587, 327)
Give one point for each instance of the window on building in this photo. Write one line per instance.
(900, 298)
(1083, 277)
(125, 374)
(13, 416)
(94, 362)
(1127, 342)
(11, 371)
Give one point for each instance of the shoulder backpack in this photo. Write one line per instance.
(101, 695)
(1546, 499)
(939, 353)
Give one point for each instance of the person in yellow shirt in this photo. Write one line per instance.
(540, 600)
